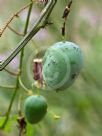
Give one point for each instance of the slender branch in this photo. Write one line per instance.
(11, 73)
(65, 16)
(14, 31)
(23, 86)
(10, 106)
(67, 10)
(12, 17)
(21, 60)
(8, 87)
(17, 80)
(19, 104)
(37, 26)
(40, 23)
(25, 31)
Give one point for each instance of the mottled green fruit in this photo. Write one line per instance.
(35, 108)
(62, 63)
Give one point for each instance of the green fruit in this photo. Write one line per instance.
(35, 108)
(62, 63)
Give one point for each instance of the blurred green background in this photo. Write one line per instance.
(80, 106)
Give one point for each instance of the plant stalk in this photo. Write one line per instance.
(20, 68)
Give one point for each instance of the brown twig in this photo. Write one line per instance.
(16, 15)
(14, 31)
(65, 16)
(67, 10)
(12, 17)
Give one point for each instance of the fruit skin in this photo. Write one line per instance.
(62, 63)
(35, 108)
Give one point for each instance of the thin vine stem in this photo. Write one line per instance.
(40, 23)
(7, 86)
(15, 32)
(10, 106)
(12, 17)
(19, 104)
(10, 72)
(24, 87)
(17, 80)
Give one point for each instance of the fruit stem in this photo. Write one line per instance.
(24, 87)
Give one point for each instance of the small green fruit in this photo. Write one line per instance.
(62, 63)
(35, 108)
